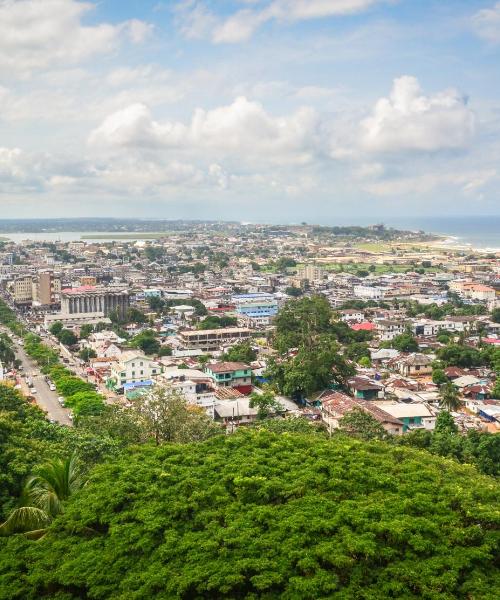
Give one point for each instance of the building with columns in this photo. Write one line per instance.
(90, 299)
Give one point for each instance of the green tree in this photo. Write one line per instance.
(85, 331)
(87, 353)
(56, 328)
(360, 424)
(495, 315)
(241, 352)
(43, 497)
(146, 341)
(266, 404)
(263, 515)
(67, 337)
(405, 342)
(449, 398)
(439, 377)
(164, 413)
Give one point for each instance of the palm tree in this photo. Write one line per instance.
(449, 398)
(43, 497)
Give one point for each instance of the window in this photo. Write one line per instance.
(133, 364)
(141, 363)
(142, 372)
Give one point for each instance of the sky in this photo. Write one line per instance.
(254, 110)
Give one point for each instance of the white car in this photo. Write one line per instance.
(33, 391)
(52, 387)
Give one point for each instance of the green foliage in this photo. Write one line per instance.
(85, 331)
(241, 352)
(439, 377)
(146, 341)
(7, 354)
(365, 361)
(449, 398)
(56, 328)
(360, 424)
(301, 321)
(67, 337)
(310, 370)
(457, 355)
(69, 385)
(357, 350)
(405, 342)
(293, 291)
(495, 315)
(43, 496)
(260, 515)
(266, 404)
(86, 403)
(164, 415)
(214, 322)
(27, 439)
(87, 353)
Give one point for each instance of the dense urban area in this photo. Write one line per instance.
(150, 382)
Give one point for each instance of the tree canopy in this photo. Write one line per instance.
(261, 515)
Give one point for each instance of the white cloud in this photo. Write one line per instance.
(36, 34)
(486, 23)
(468, 182)
(242, 131)
(409, 120)
(198, 22)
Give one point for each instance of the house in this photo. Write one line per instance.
(351, 315)
(477, 392)
(231, 374)
(133, 367)
(388, 329)
(365, 388)
(336, 404)
(412, 365)
(414, 415)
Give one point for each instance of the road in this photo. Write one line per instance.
(45, 399)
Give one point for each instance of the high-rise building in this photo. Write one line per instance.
(48, 288)
(23, 290)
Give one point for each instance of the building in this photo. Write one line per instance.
(311, 273)
(211, 340)
(414, 415)
(387, 330)
(22, 290)
(48, 289)
(367, 292)
(334, 405)
(412, 365)
(352, 315)
(90, 299)
(133, 367)
(231, 374)
(256, 309)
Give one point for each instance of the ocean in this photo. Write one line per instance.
(476, 231)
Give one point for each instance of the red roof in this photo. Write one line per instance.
(490, 341)
(366, 326)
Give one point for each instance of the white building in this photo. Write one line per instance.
(133, 367)
(369, 293)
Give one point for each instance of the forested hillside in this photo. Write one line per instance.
(266, 515)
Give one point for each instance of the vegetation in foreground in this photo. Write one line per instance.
(262, 515)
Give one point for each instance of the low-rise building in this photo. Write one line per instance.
(133, 367)
(231, 374)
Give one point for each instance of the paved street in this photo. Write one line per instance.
(46, 399)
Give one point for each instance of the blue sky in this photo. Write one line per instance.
(270, 110)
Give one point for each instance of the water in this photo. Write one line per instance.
(75, 236)
(477, 231)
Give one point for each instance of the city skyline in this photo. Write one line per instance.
(266, 110)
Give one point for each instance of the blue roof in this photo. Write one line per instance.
(137, 384)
